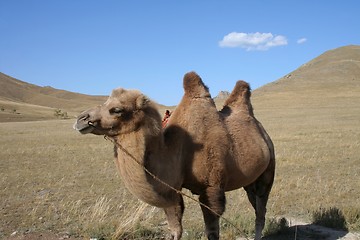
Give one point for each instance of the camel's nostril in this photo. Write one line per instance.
(84, 117)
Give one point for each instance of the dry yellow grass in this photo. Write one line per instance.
(54, 179)
(317, 161)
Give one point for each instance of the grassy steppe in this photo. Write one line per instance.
(56, 180)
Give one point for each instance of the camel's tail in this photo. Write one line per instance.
(194, 86)
(239, 97)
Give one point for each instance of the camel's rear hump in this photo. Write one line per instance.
(240, 93)
(239, 98)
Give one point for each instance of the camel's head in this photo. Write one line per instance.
(123, 112)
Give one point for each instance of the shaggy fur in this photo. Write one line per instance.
(201, 149)
(194, 86)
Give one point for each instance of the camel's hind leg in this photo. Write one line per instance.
(214, 198)
(258, 194)
(174, 217)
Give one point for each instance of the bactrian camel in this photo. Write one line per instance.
(202, 149)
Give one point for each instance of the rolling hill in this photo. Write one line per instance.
(330, 80)
(333, 74)
(18, 91)
(325, 88)
(21, 101)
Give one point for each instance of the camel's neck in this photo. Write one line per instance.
(138, 150)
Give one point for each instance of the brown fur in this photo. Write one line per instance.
(201, 149)
(194, 86)
(239, 97)
(241, 91)
(253, 151)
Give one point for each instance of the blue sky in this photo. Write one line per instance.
(91, 47)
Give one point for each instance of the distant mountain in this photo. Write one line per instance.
(338, 68)
(16, 90)
(331, 79)
(32, 102)
(222, 95)
(220, 98)
(22, 101)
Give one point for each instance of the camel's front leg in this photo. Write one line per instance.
(174, 216)
(213, 198)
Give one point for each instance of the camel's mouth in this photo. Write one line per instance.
(83, 128)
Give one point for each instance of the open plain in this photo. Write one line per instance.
(58, 182)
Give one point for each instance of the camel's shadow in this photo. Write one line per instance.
(307, 232)
(332, 218)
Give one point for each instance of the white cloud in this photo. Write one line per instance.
(253, 41)
(301, 40)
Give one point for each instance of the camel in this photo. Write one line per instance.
(201, 149)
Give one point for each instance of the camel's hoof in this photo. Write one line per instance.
(213, 236)
(173, 237)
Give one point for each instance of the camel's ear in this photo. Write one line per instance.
(142, 101)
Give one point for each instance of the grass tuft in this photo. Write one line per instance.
(276, 226)
(331, 218)
(352, 216)
(135, 223)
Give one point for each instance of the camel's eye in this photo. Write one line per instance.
(116, 111)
